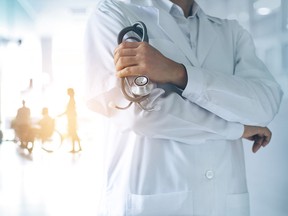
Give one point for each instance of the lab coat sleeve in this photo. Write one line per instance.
(249, 95)
(178, 119)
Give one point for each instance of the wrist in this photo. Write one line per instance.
(249, 131)
(247, 128)
(180, 79)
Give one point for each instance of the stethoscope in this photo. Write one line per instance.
(141, 86)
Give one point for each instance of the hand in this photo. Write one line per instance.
(140, 58)
(260, 135)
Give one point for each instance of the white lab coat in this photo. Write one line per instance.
(186, 159)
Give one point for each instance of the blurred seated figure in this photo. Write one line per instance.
(46, 125)
(22, 124)
(26, 132)
(1, 136)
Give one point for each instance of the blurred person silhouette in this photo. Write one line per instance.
(46, 125)
(1, 135)
(22, 124)
(71, 115)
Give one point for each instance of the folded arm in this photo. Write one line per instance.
(249, 95)
(179, 119)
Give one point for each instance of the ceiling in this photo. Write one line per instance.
(51, 15)
(56, 8)
(48, 16)
(44, 16)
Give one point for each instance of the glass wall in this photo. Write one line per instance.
(40, 58)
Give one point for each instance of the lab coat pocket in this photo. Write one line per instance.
(237, 205)
(166, 204)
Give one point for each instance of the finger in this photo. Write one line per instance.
(127, 45)
(250, 139)
(268, 138)
(124, 62)
(124, 53)
(266, 141)
(133, 70)
(256, 147)
(257, 144)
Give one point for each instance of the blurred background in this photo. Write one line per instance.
(41, 55)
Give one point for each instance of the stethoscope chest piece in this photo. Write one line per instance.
(141, 80)
(141, 86)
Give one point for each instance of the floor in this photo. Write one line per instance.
(62, 183)
(48, 184)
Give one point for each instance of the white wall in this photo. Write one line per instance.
(267, 170)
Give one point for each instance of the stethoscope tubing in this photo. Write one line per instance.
(140, 29)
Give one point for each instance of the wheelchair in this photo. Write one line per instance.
(27, 135)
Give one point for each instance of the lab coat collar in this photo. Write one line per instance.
(172, 30)
(170, 7)
(206, 36)
(141, 2)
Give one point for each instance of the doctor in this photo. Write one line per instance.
(186, 157)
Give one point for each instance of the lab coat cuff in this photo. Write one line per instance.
(194, 85)
(235, 131)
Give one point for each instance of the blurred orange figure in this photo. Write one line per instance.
(72, 120)
(46, 124)
(22, 125)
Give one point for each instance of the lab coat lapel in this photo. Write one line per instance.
(206, 37)
(170, 27)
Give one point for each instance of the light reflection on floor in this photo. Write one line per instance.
(49, 184)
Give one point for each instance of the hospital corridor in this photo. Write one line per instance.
(58, 169)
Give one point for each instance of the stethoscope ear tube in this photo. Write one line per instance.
(139, 28)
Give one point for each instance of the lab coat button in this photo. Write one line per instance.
(209, 174)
